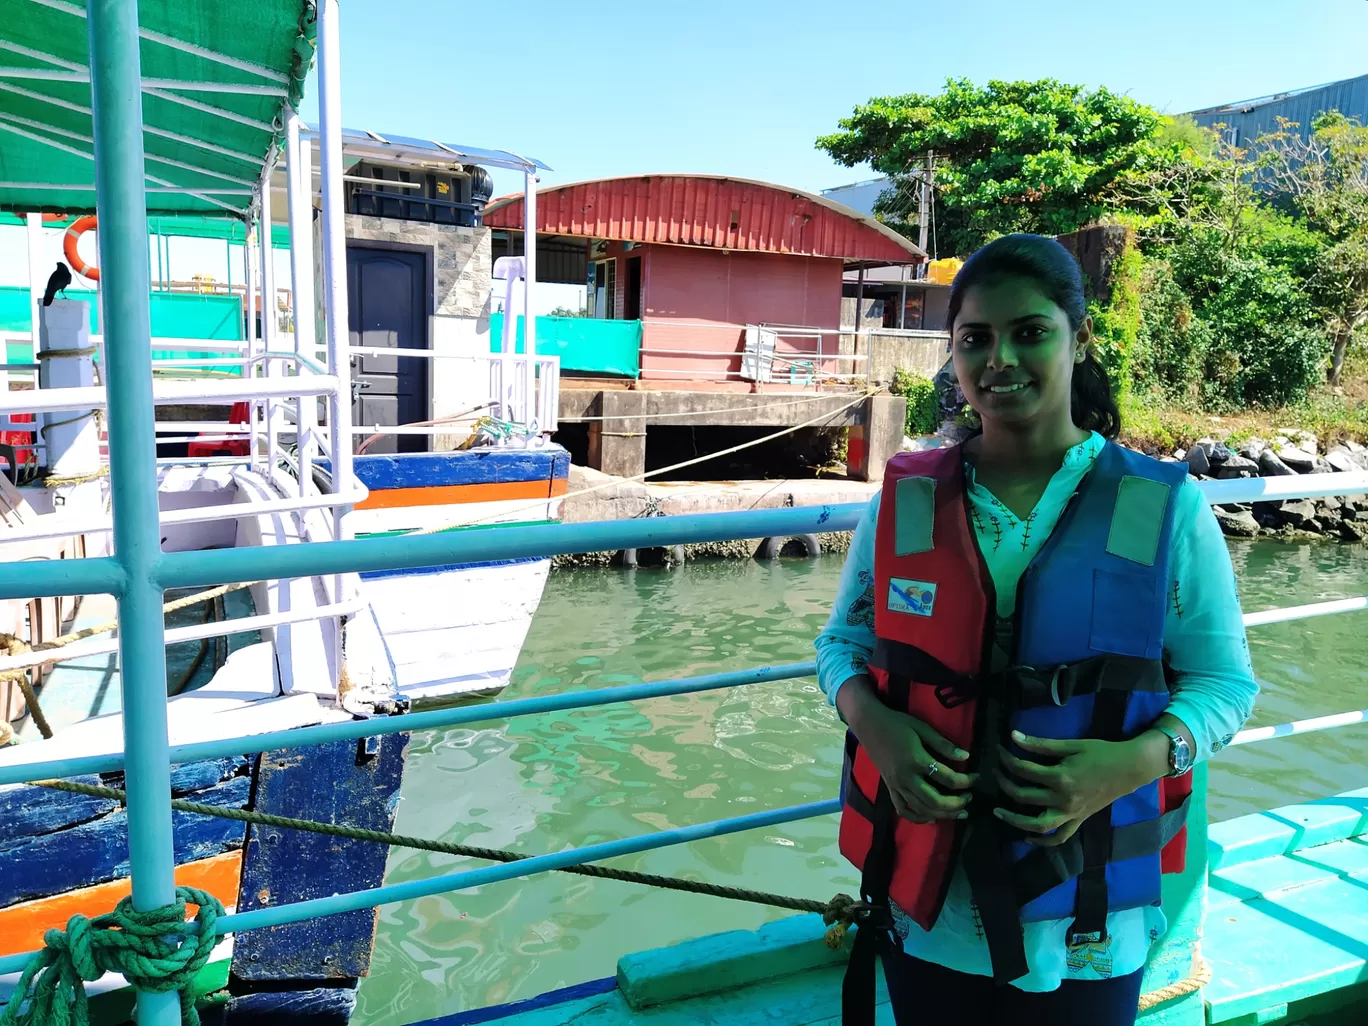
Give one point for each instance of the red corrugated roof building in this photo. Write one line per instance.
(697, 258)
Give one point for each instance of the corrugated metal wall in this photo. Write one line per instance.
(719, 213)
(1252, 118)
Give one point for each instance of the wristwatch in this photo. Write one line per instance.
(1180, 752)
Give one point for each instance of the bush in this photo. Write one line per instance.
(923, 408)
(1171, 344)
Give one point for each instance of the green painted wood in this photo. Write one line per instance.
(1278, 831)
(811, 998)
(727, 961)
(1290, 928)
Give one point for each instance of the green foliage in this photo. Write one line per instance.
(923, 409)
(565, 311)
(1116, 326)
(1009, 157)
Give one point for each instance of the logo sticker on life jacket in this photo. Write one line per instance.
(907, 596)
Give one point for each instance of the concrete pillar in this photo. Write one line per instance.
(618, 446)
(878, 437)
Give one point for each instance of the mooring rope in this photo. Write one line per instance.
(839, 914)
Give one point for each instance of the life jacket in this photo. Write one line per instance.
(1082, 657)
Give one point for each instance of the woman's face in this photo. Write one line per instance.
(1014, 351)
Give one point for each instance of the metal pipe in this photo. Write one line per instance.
(334, 251)
(249, 296)
(63, 526)
(222, 566)
(352, 730)
(530, 263)
(299, 184)
(268, 315)
(33, 225)
(201, 391)
(1254, 734)
(1304, 612)
(116, 98)
(194, 632)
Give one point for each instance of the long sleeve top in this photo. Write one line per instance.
(1213, 693)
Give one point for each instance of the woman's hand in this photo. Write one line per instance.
(908, 755)
(1088, 776)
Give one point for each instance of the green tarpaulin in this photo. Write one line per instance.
(212, 142)
(183, 226)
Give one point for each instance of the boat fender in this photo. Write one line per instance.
(771, 548)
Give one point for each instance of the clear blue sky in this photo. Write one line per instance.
(744, 87)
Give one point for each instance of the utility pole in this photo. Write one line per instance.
(924, 210)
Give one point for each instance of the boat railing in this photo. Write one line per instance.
(218, 567)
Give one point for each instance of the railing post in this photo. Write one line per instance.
(249, 368)
(334, 254)
(529, 263)
(116, 97)
(268, 316)
(299, 178)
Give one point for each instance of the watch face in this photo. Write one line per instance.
(1181, 755)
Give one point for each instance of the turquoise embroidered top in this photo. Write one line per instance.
(1214, 694)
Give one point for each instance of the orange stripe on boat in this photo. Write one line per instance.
(450, 495)
(22, 925)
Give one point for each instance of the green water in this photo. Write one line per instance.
(543, 784)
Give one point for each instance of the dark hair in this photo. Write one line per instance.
(1055, 272)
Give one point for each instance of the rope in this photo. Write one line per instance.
(838, 914)
(62, 480)
(16, 646)
(614, 482)
(57, 354)
(155, 951)
(1195, 981)
(841, 910)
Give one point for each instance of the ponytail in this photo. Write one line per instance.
(1090, 398)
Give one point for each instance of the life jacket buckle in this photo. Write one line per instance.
(1027, 676)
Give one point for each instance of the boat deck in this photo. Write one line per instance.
(1286, 936)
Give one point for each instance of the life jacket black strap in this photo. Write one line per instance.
(874, 934)
(994, 898)
(1020, 687)
(1045, 868)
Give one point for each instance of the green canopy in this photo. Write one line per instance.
(205, 146)
(190, 226)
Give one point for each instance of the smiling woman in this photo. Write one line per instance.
(1021, 733)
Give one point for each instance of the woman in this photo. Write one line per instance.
(991, 745)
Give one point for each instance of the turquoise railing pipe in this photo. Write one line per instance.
(116, 101)
(226, 566)
(473, 545)
(351, 730)
(467, 878)
(96, 575)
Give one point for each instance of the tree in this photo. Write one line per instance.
(1324, 178)
(1041, 156)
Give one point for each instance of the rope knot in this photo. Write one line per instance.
(155, 951)
(841, 913)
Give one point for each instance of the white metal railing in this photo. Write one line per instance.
(526, 388)
(806, 355)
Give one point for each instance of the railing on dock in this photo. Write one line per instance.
(139, 573)
(209, 568)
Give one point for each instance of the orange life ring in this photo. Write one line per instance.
(73, 234)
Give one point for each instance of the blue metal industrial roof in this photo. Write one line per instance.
(1246, 120)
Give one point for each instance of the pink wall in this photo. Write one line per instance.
(699, 300)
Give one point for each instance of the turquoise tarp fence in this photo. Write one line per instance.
(584, 344)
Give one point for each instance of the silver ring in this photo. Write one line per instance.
(931, 770)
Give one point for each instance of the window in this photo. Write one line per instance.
(603, 289)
